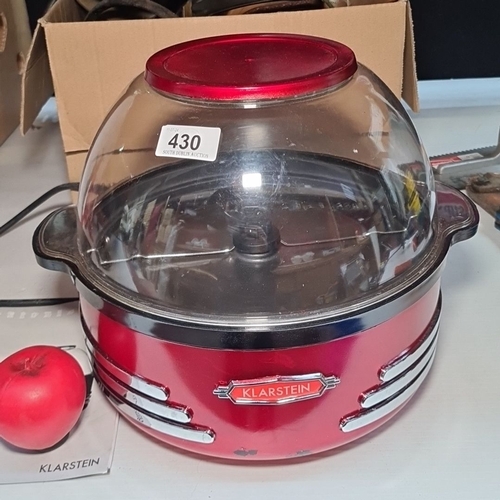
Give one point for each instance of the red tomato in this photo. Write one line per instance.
(42, 393)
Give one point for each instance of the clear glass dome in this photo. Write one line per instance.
(318, 193)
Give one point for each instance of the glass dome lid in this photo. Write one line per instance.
(254, 194)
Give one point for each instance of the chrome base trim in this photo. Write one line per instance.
(133, 381)
(176, 413)
(369, 416)
(400, 379)
(187, 432)
(404, 361)
(386, 391)
(141, 401)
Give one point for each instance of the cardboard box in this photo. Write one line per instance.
(89, 64)
(15, 38)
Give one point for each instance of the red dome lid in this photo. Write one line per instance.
(250, 66)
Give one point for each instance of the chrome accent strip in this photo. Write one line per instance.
(154, 322)
(222, 391)
(80, 356)
(164, 410)
(368, 416)
(400, 364)
(387, 390)
(331, 382)
(137, 383)
(252, 339)
(189, 432)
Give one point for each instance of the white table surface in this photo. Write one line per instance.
(444, 445)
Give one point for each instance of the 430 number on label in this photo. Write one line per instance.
(185, 141)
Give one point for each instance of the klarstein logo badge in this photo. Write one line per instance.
(276, 390)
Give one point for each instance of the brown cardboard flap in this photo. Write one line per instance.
(410, 84)
(92, 63)
(74, 162)
(37, 84)
(107, 66)
(16, 38)
(36, 81)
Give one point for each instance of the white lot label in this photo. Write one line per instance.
(196, 143)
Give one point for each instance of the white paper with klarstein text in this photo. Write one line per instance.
(90, 445)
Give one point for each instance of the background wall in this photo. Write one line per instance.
(457, 38)
(454, 38)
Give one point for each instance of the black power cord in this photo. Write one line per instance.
(36, 302)
(71, 186)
